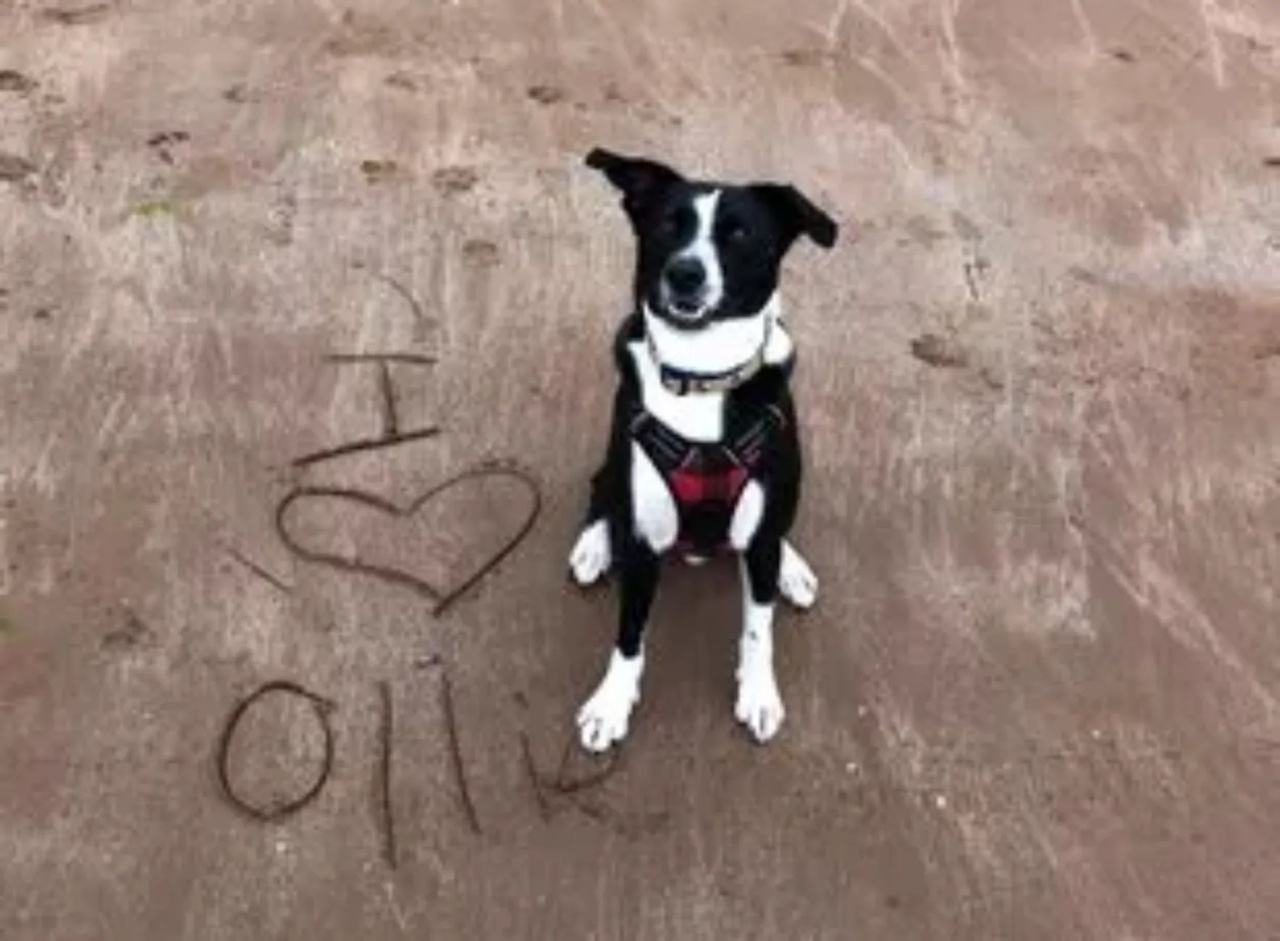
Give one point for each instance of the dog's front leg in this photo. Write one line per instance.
(604, 718)
(652, 529)
(759, 706)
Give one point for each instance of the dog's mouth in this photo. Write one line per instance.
(686, 313)
(687, 308)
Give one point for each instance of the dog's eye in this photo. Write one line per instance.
(735, 232)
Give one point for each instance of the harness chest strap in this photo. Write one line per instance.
(705, 472)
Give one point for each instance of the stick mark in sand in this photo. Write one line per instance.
(322, 708)
(386, 731)
(451, 724)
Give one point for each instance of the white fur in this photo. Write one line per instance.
(746, 516)
(796, 581)
(703, 247)
(655, 515)
(698, 416)
(716, 348)
(780, 347)
(759, 706)
(604, 718)
(721, 345)
(592, 554)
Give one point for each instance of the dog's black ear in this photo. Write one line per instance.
(797, 215)
(641, 181)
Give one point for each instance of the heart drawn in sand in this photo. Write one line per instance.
(378, 514)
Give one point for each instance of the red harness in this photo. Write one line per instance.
(705, 479)
(693, 486)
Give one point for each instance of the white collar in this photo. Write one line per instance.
(722, 349)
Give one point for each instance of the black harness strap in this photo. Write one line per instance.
(705, 478)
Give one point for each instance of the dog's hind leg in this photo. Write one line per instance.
(796, 580)
(592, 555)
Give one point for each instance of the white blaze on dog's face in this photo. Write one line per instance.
(708, 253)
(691, 282)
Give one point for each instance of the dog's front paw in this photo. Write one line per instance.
(604, 718)
(759, 705)
(591, 555)
(796, 581)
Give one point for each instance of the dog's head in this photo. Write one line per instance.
(708, 251)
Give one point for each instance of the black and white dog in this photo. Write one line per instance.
(703, 452)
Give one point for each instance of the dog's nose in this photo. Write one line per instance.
(685, 276)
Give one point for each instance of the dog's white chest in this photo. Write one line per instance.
(656, 517)
(695, 417)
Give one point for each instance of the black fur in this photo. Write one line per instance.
(755, 225)
(779, 472)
